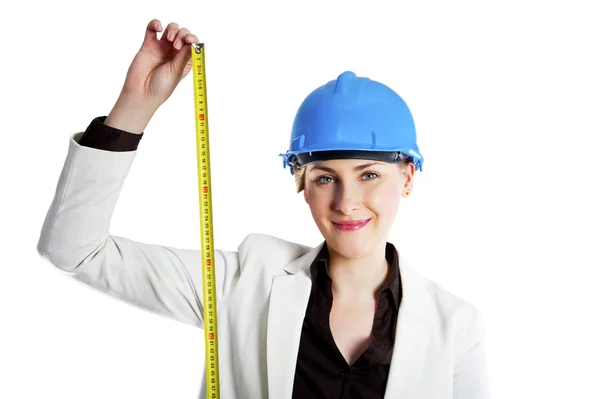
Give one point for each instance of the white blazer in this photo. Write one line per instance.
(262, 294)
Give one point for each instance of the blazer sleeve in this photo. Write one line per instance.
(470, 363)
(75, 238)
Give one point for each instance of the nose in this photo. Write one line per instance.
(347, 199)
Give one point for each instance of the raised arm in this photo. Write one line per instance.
(75, 234)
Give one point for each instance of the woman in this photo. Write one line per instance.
(347, 319)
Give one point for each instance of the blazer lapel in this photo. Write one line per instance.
(287, 307)
(412, 334)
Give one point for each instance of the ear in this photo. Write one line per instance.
(408, 171)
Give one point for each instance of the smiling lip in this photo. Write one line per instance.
(351, 225)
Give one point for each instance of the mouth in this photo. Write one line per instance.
(351, 225)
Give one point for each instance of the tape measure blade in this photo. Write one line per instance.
(206, 222)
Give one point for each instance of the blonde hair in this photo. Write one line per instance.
(299, 174)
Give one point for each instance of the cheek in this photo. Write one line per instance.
(318, 200)
(385, 199)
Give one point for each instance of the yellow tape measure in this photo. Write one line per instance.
(206, 222)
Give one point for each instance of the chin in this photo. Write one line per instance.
(352, 245)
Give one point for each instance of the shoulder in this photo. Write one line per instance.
(266, 250)
(448, 313)
(448, 301)
(445, 303)
(460, 308)
(466, 321)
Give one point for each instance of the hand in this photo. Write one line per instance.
(156, 70)
(160, 64)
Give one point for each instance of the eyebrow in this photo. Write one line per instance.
(359, 167)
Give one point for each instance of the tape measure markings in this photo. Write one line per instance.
(211, 341)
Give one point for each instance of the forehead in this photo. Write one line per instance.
(346, 164)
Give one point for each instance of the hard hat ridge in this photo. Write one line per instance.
(342, 83)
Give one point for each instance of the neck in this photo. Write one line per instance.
(358, 279)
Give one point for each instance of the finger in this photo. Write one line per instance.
(152, 28)
(183, 32)
(182, 58)
(170, 32)
(191, 39)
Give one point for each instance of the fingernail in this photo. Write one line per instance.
(171, 35)
(178, 44)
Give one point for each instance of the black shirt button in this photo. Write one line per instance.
(345, 376)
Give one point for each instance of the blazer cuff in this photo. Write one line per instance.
(104, 137)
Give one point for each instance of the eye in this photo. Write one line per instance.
(370, 176)
(324, 180)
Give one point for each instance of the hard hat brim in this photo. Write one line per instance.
(390, 156)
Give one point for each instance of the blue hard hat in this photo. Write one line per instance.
(353, 117)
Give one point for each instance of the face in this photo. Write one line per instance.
(354, 202)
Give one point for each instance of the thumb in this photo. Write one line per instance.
(186, 70)
(152, 28)
(182, 58)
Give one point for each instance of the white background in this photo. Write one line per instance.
(505, 213)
